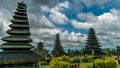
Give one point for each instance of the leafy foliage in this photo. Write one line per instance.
(118, 50)
(87, 58)
(108, 63)
(39, 50)
(65, 58)
(99, 63)
(107, 51)
(45, 63)
(60, 62)
(76, 59)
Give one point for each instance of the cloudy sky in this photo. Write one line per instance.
(70, 18)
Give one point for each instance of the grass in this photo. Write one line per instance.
(89, 65)
(118, 65)
(43, 66)
(85, 65)
(82, 65)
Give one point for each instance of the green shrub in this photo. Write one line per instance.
(76, 59)
(110, 63)
(89, 66)
(45, 63)
(87, 58)
(71, 60)
(58, 63)
(84, 59)
(63, 64)
(99, 63)
(65, 58)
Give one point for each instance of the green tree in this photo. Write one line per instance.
(40, 46)
(118, 50)
(107, 51)
(65, 58)
(40, 50)
(69, 51)
(113, 52)
(59, 62)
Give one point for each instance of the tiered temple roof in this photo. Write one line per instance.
(17, 47)
(58, 48)
(92, 44)
(19, 31)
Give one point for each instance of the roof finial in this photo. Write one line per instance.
(22, 1)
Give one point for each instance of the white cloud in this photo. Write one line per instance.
(4, 20)
(44, 21)
(110, 20)
(58, 7)
(80, 25)
(56, 16)
(65, 4)
(44, 8)
(66, 36)
(72, 38)
(89, 17)
(61, 6)
(40, 21)
(44, 34)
